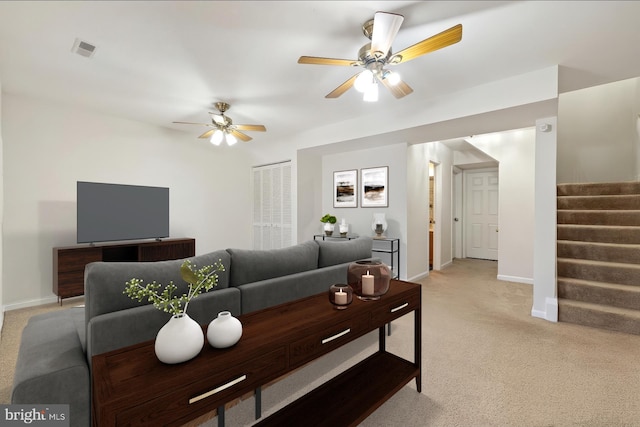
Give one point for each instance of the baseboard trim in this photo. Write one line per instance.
(30, 303)
(515, 279)
(446, 264)
(418, 277)
(551, 310)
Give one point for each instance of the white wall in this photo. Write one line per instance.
(515, 151)
(359, 219)
(545, 303)
(48, 147)
(420, 155)
(597, 136)
(417, 252)
(1, 212)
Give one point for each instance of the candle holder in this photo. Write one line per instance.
(340, 296)
(369, 279)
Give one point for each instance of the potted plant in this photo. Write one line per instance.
(328, 221)
(181, 338)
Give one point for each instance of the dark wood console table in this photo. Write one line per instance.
(69, 261)
(132, 387)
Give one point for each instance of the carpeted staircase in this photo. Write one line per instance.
(599, 255)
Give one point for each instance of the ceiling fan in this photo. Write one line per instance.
(377, 54)
(224, 128)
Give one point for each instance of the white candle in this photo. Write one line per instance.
(340, 297)
(367, 284)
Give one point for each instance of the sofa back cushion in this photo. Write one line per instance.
(104, 282)
(338, 252)
(251, 265)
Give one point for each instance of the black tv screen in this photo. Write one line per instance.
(111, 212)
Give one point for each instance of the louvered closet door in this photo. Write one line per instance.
(272, 206)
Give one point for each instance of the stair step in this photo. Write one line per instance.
(613, 294)
(621, 217)
(608, 202)
(599, 271)
(595, 251)
(599, 233)
(599, 316)
(598, 188)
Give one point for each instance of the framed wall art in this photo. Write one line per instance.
(345, 189)
(374, 187)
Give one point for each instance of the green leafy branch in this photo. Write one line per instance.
(199, 279)
(328, 218)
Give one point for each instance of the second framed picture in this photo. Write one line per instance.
(374, 187)
(345, 189)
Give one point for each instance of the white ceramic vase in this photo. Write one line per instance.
(179, 340)
(224, 331)
(328, 228)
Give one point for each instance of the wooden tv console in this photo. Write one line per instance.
(132, 387)
(69, 262)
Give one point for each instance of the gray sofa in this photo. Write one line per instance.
(54, 360)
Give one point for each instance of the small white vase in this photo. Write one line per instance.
(224, 331)
(328, 228)
(179, 340)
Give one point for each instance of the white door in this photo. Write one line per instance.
(481, 214)
(272, 206)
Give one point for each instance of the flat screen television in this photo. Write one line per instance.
(112, 212)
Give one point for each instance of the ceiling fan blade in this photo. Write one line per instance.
(446, 38)
(256, 128)
(399, 89)
(190, 123)
(240, 135)
(385, 28)
(343, 87)
(207, 134)
(315, 60)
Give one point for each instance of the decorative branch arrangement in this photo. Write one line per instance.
(199, 280)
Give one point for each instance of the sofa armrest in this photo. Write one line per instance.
(52, 367)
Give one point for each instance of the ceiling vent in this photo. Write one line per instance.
(83, 48)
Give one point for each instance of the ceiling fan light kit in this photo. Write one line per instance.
(374, 56)
(224, 129)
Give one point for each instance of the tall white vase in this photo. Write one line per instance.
(179, 340)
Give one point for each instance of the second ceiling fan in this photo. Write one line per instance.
(223, 127)
(375, 56)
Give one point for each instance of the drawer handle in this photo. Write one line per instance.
(393, 310)
(217, 389)
(336, 336)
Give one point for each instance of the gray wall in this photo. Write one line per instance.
(359, 219)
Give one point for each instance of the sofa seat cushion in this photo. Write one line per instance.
(339, 252)
(51, 366)
(249, 266)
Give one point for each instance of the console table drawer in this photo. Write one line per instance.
(202, 396)
(328, 339)
(392, 308)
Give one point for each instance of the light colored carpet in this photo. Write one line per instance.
(486, 362)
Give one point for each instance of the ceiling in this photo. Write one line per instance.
(164, 61)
